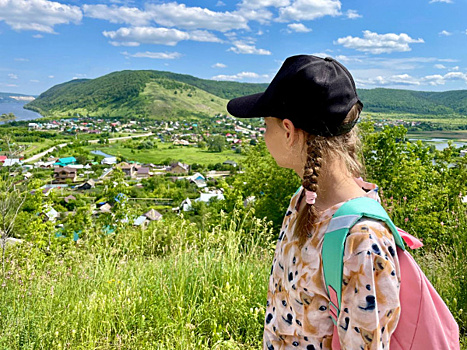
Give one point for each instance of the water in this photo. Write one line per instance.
(441, 144)
(17, 109)
(100, 153)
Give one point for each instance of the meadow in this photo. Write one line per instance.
(166, 152)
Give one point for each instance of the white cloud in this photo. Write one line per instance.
(19, 59)
(440, 66)
(219, 65)
(261, 15)
(442, 79)
(444, 33)
(116, 14)
(242, 76)
(435, 79)
(38, 36)
(257, 4)
(298, 27)
(455, 69)
(408, 80)
(179, 15)
(38, 15)
(353, 14)
(160, 36)
(348, 59)
(445, 1)
(155, 55)
(171, 14)
(51, 76)
(220, 3)
(12, 76)
(34, 81)
(398, 79)
(307, 10)
(379, 43)
(241, 47)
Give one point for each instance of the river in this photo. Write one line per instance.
(17, 109)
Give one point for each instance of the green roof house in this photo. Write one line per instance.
(66, 161)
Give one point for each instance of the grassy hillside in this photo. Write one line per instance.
(140, 93)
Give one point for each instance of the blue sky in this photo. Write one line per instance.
(412, 44)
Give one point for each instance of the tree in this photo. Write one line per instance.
(216, 143)
(271, 185)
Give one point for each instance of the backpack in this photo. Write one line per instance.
(425, 321)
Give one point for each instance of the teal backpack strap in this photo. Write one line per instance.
(334, 242)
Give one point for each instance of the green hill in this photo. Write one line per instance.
(140, 93)
(158, 94)
(446, 103)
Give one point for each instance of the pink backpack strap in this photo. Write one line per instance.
(410, 240)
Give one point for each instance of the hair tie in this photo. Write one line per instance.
(310, 197)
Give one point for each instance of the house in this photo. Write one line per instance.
(109, 160)
(87, 185)
(66, 161)
(106, 208)
(143, 173)
(198, 179)
(62, 175)
(185, 205)
(128, 169)
(69, 198)
(11, 162)
(151, 215)
(206, 197)
(179, 168)
(49, 214)
(3, 158)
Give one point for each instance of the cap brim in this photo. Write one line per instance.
(247, 106)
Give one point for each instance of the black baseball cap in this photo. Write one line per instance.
(315, 93)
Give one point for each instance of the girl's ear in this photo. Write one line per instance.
(292, 134)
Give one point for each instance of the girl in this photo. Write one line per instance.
(310, 111)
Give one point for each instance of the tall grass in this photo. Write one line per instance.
(172, 286)
(124, 292)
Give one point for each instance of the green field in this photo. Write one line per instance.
(459, 135)
(164, 152)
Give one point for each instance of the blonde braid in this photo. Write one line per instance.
(309, 214)
(318, 149)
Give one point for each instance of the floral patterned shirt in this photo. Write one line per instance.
(297, 315)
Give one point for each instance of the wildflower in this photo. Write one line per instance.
(406, 219)
(416, 209)
(442, 223)
(405, 198)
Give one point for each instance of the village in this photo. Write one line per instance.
(76, 172)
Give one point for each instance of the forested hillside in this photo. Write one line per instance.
(158, 94)
(415, 102)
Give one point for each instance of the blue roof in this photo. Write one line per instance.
(67, 160)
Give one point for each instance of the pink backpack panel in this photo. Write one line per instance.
(425, 321)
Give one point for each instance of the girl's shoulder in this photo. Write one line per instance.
(370, 236)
